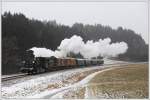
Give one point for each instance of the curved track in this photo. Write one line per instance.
(11, 77)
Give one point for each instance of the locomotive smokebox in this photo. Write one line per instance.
(28, 62)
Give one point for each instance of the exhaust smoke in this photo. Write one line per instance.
(76, 45)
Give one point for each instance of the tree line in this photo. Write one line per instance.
(20, 33)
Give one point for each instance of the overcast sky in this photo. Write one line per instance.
(131, 15)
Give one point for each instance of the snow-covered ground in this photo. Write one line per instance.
(49, 84)
(109, 61)
(80, 84)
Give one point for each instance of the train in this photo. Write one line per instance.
(35, 65)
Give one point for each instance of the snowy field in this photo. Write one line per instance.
(53, 84)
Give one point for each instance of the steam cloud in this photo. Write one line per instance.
(89, 49)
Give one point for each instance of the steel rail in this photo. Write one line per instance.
(14, 77)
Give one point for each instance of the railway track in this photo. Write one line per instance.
(25, 74)
(13, 77)
(21, 75)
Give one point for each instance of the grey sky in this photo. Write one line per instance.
(131, 15)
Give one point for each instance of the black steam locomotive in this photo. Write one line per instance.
(35, 65)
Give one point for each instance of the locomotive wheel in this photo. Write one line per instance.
(37, 71)
(29, 73)
(34, 72)
(44, 70)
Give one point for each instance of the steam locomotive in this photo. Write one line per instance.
(35, 65)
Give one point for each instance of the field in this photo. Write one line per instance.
(127, 81)
(130, 81)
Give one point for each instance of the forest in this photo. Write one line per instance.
(20, 33)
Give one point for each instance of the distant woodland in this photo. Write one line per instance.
(20, 33)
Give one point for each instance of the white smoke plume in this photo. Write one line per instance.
(90, 49)
(42, 52)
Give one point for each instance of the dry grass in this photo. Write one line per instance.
(130, 81)
(75, 94)
(78, 77)
(71, 80)
(54, 86)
